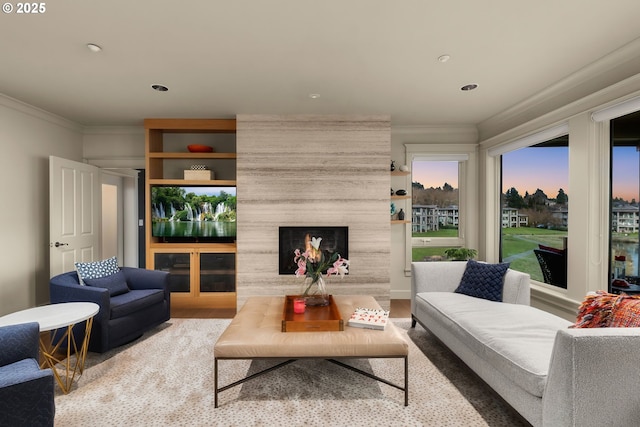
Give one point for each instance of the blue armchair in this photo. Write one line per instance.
(26, 391)
(124, 315)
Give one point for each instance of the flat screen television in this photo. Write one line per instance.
(194, 214)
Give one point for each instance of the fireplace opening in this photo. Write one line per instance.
(334, 239)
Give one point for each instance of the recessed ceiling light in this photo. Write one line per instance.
(160, 88)
(314, 95)
(469, 87)
(444, 58)
(93, 47)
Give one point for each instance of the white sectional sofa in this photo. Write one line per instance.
(552, 375)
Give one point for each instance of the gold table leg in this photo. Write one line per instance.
(52, 360)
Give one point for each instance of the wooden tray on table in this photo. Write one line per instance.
(314, 318)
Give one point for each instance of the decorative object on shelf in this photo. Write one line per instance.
(312, 264)
(392, 191)
(197, 148)
(393, 208)
(393, 165)
(401, 193)
(199, 174)
(199, 167)
(404, 168)
(401, 215)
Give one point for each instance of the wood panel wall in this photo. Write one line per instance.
(313, 171)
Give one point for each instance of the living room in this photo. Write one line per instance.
(585, 74)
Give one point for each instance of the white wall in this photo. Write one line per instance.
(436, 136)
(28, 137)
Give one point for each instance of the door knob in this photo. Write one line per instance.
(58, 244)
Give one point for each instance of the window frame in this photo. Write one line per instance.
(497, 152)
(466, 156)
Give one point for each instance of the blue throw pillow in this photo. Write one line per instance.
(483, 280)
(96, 269)
(116, 283)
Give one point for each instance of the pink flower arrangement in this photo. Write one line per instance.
(313, 262)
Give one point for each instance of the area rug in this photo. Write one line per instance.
(165, 378)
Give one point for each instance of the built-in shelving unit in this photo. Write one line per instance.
(202, 275)
(399, 173)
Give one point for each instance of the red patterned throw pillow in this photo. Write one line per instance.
(595, 310)
(625, 312)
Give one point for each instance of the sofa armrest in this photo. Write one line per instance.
(436, 276)
(587, 366)
(517, 288)
(61, 292)
(19, 342)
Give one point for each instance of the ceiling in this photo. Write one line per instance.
(222, 58)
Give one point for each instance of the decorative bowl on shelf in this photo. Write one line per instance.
(197, 148)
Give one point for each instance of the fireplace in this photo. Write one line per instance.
(334, 239)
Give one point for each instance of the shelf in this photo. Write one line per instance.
(201, 280)
(397, 221)
(192, 125)
(189, 155)
(192, 182)
(399, 173)
(400, 197)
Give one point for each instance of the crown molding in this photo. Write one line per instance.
(615, 67)
(436, 134)
(23, 107)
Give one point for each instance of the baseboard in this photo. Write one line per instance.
(400, 294)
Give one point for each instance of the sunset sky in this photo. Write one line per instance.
(546, 168)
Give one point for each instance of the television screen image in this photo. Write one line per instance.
(206, 214)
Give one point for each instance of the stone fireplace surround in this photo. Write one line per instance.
(319, 171)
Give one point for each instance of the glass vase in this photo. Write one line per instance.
(315, 292)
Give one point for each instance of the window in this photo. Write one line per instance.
(534, 210)
(625, 196)
(436, 206)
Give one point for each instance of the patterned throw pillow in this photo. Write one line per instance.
(595, 310)
(97, 269)
(483, 280)
(625, 312)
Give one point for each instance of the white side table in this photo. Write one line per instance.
(51, 318)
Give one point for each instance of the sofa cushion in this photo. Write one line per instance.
(482, 280)
(115, 283)
(625, 312)
(516, 339)
(96, 269)
(595, 310)
(135, 300)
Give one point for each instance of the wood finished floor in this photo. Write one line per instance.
(399, 308)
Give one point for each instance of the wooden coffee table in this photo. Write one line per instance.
(256, 333)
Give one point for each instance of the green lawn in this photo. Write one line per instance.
(517, 246)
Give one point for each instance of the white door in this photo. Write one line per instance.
(75, 204)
